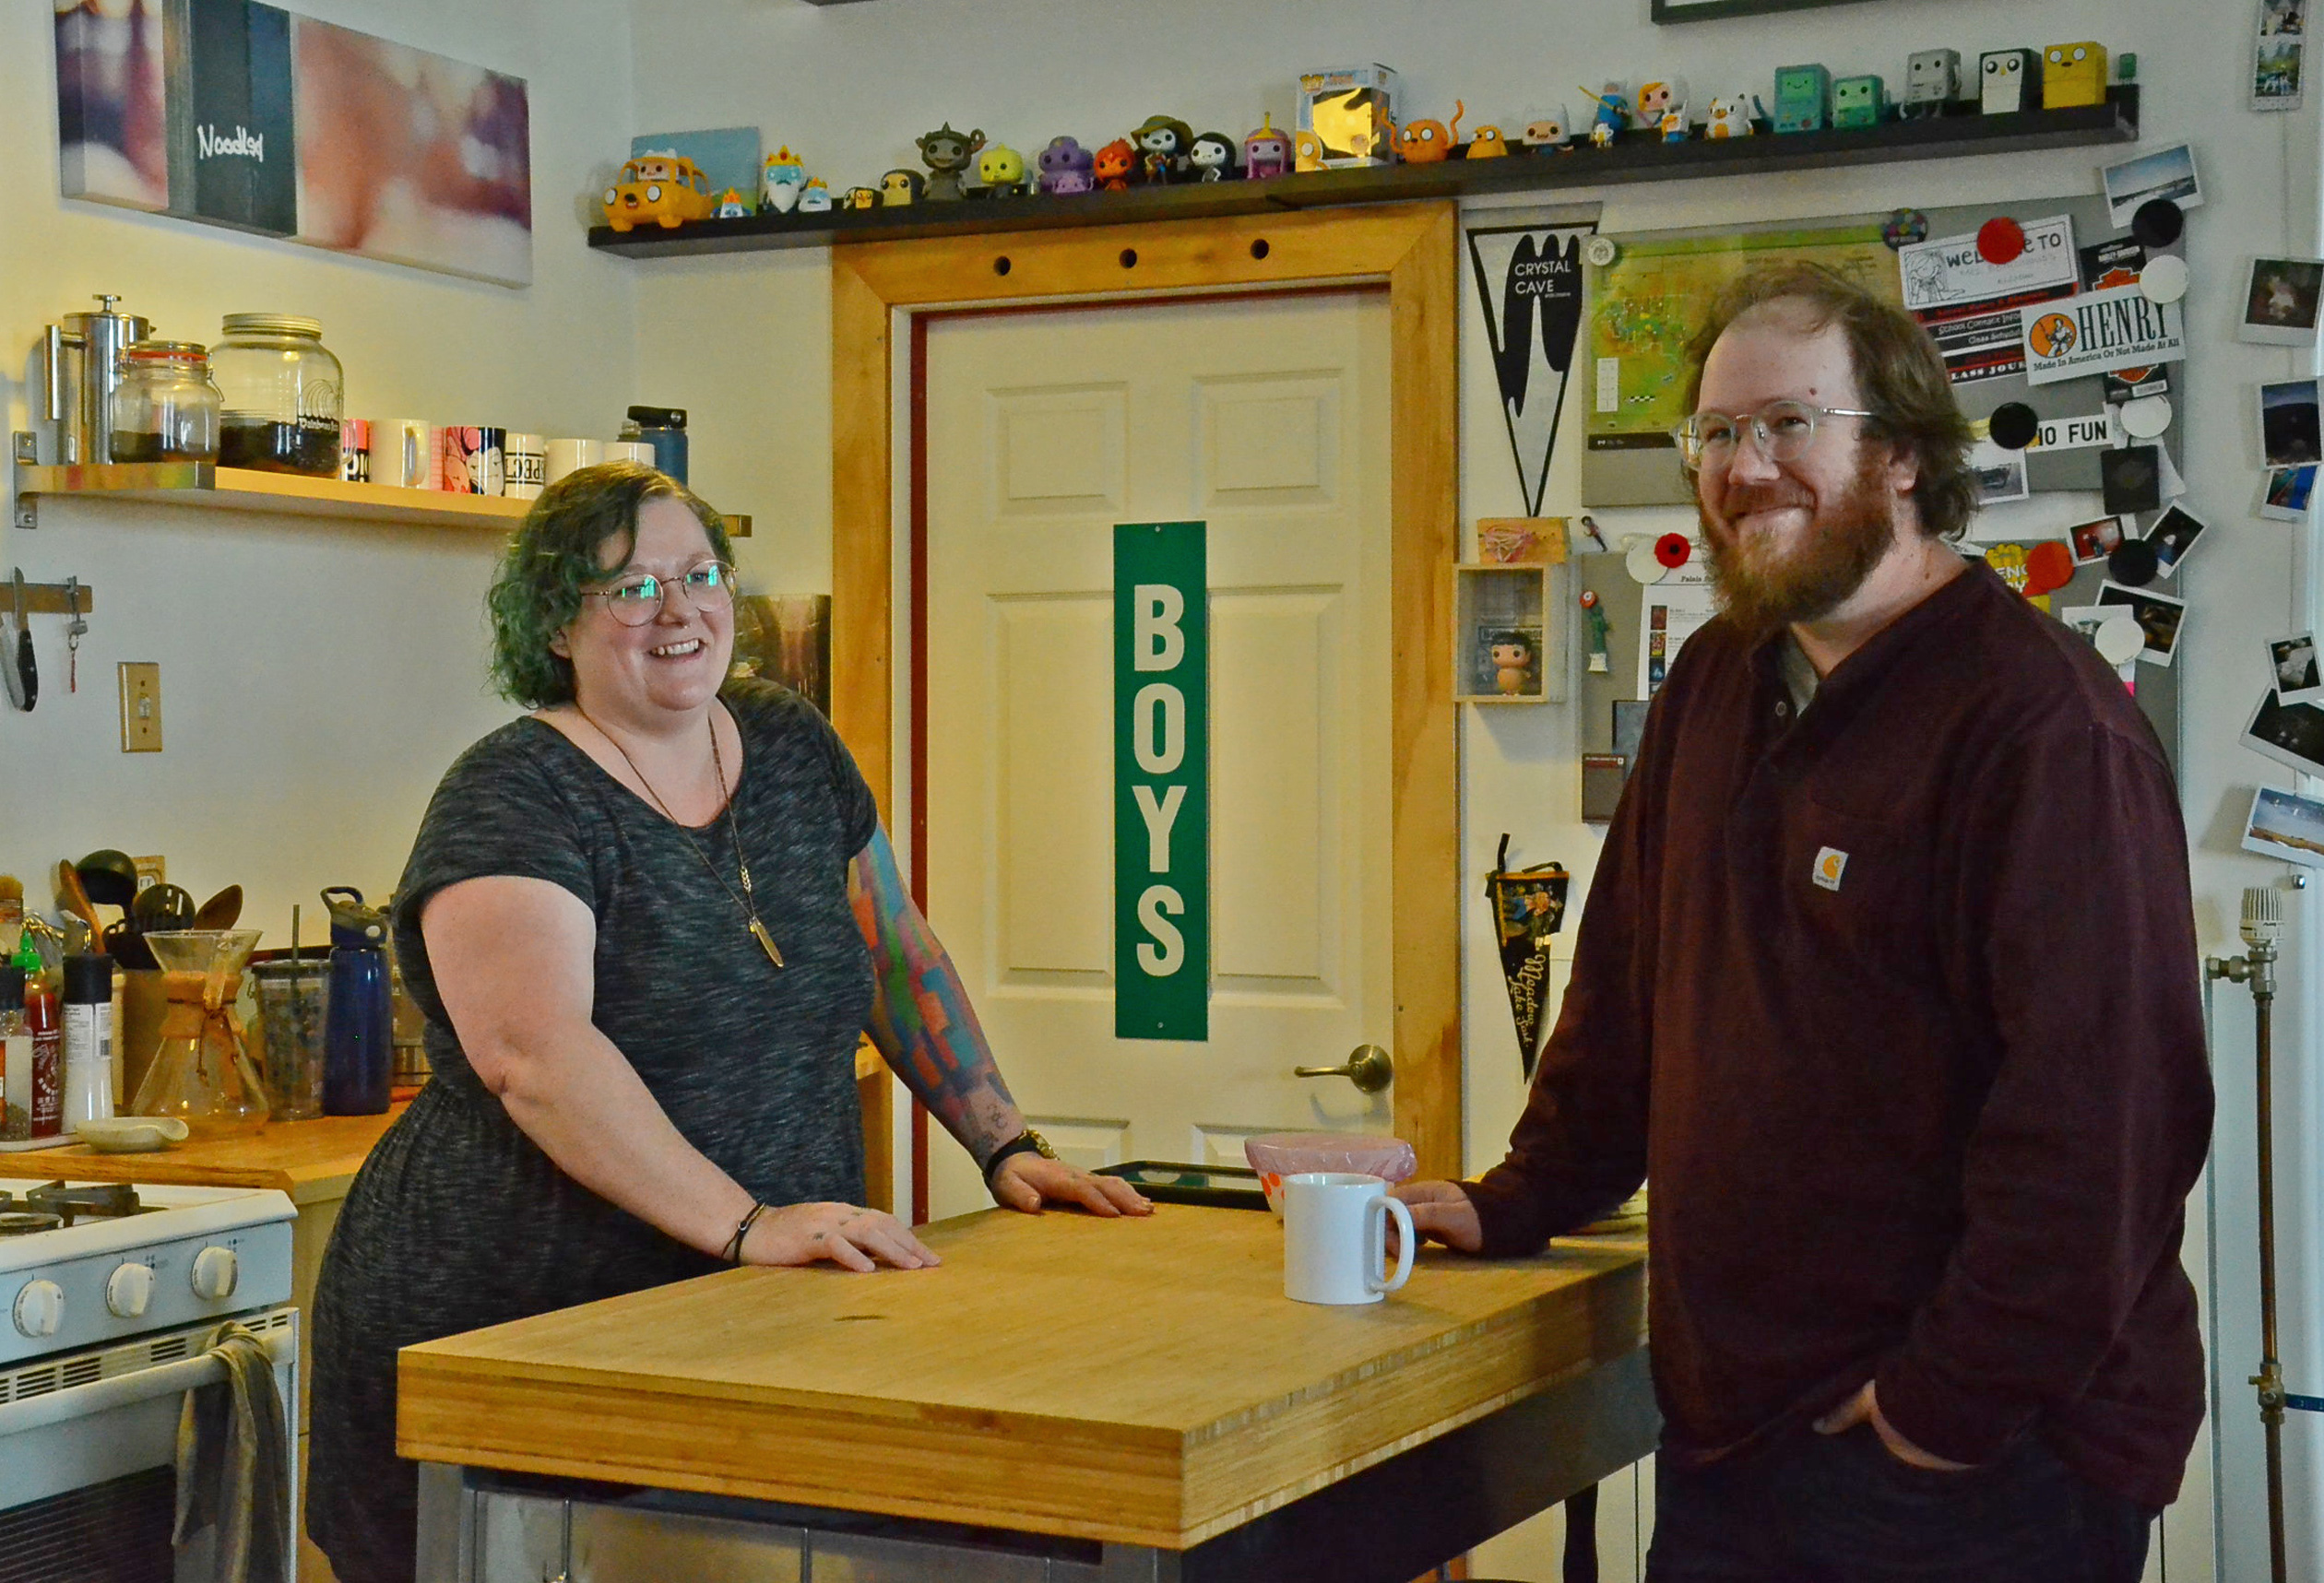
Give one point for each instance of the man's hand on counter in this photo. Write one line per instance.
(1441, 1213)
(846, 1234)
(1026, 1182)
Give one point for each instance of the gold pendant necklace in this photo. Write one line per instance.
(748, 899)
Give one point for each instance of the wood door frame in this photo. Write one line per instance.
(1410, 248)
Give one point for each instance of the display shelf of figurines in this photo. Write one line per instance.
(1635, 156)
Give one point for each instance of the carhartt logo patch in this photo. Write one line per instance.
(1831, 863)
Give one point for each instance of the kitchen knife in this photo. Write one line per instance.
(24, 676)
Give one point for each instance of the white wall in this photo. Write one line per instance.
(849, 86)
(316, 678)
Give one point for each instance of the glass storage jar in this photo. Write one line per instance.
(282, 390)
(164, 408)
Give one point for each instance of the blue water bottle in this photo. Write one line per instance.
(663, 428)
(359, 1051)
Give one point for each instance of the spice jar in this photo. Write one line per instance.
(283, 393)
(164, 407)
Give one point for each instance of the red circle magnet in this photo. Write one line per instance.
(1674, 549)
(2049, 566)
(2001, 239)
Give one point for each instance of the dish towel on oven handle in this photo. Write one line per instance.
(233, 1464)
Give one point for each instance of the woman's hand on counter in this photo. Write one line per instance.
(846, 1234)
(1025, 1182)
(1441, 1213)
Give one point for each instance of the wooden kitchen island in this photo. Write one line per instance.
(1064, 1397)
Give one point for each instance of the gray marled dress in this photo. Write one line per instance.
(458, 1220)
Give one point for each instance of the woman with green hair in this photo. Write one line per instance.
(647, 923)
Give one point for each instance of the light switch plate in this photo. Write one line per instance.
(140, 706)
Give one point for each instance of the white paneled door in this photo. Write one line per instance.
(1268, 420)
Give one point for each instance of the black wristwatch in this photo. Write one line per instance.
(1025, 1142)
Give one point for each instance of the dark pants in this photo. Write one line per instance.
(1839, 1508)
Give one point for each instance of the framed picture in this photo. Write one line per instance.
(2281, 297)
(1668, 11)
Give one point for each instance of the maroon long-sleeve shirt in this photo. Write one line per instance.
(1896, 1000)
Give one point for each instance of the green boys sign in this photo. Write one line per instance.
(1161, 781)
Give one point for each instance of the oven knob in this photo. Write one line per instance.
(40, 1308)
(128, 1290)
(215, 1275)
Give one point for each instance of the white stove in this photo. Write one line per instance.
(111, 1296)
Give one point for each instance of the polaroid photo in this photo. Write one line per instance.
(2174, 534)
(2000, 473)
(2287, 494)
(2166, 173)
(2095, 540)
(2292, 668)
(2276, 55)
(2289, 433)
(2086, 621)
(2159, 615)
(2287, 826)
(2291, 734)
(2280, 301)
(2129, 480)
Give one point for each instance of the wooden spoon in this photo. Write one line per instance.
(222, 911)
(74, 898)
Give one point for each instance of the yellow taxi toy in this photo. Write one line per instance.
(668, 189)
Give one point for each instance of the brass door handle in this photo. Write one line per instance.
(1368, 1067)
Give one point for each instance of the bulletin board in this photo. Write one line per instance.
(1622, 598)
(1641, 310)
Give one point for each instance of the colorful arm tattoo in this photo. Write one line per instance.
(920, 1017)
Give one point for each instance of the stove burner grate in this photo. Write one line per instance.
(57, 1204)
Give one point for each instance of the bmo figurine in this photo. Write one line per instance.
(2011, 80)
(1858, 102)
(2073, 75)
(1932, 80)
(1803, 98)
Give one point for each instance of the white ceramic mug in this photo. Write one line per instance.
(404, 454)
(1336, 1237)
(563, 456)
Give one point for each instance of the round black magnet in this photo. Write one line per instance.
(2158, 222)
(2133, 564)
(2013, 425)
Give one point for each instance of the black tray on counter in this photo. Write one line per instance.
(1171, 1182)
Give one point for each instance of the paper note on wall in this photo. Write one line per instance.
(1672, 612)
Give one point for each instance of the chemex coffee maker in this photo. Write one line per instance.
(82, 363)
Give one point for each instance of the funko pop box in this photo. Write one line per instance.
(1351, 112)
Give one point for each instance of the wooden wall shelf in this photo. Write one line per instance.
(1638, 156)
(280, 494)
(205, 485)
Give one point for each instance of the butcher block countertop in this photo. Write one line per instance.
(1139, 1381)
(312, 1161)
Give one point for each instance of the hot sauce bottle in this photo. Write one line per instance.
(47, 1105)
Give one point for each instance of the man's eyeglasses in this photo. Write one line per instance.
(1784, 430)
(637, 599)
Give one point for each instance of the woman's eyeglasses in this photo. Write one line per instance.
(637, 599)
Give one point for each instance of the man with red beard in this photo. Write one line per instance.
(1888, 980)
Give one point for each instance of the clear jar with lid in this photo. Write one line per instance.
(164, 408)
(283, 393)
